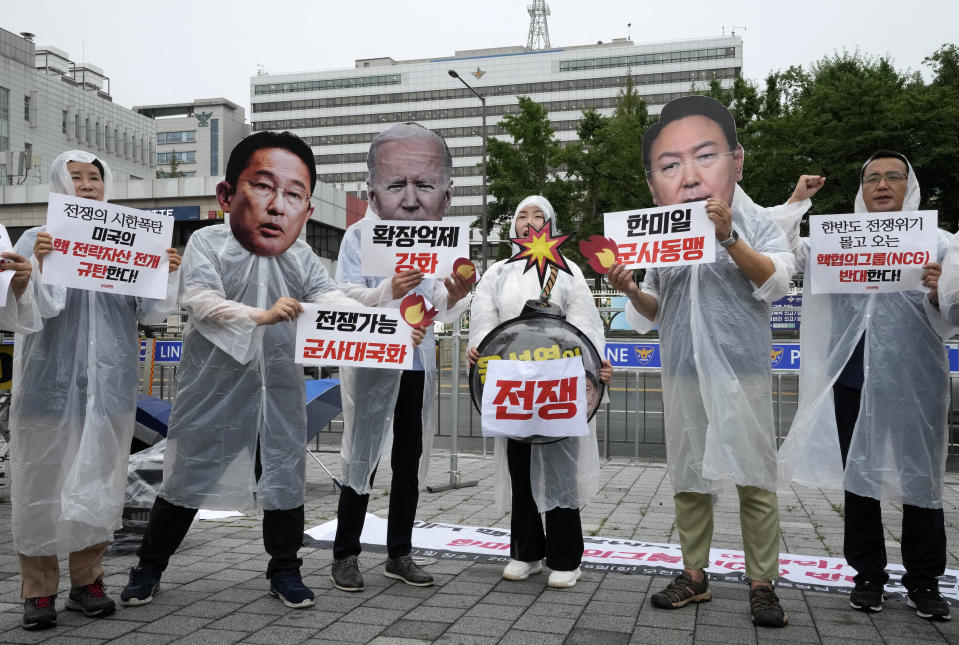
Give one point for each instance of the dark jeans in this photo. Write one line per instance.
(562, 542)
(404, 488)
(923, 529)
(169, 523)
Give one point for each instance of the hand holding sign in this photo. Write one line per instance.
(404, 282)
(283, 310)
(42, 247)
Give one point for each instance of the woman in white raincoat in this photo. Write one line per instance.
(72, 417)
(883, 354)
(555, 478)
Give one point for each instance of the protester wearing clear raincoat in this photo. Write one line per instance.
(390, 411)
(557, 478)
(873, 367)
(72, 417)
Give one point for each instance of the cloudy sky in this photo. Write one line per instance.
(177, 50)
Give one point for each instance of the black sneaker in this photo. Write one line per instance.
(143, 584)
(91, 599)
(288, 586)
(868, 595)
(40, 613)
(681, 591)
(928, 603)
(765, 608)
(346, 575)
(403, 568)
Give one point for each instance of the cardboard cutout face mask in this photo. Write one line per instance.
(410, 181)
(270, 203)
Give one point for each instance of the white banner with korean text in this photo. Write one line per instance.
(99, 246)
(662, 236)
(535, 398)
(353, 337)
(393, 246)
(870, 252)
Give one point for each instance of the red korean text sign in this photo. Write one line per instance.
(535, 398)
(100, 246)
(393, 246)
(662, 236)
(870, 252)
(353, 337)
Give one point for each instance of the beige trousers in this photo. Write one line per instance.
(41, 573)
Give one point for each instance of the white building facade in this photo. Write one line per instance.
(199, 135)
(49, 104)
(338, 112)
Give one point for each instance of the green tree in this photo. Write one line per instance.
(174, 170)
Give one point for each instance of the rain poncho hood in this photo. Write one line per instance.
(715, 342)
(563, 474)
(898, 447)
(237, 386)
(369, 394)
(72, 416)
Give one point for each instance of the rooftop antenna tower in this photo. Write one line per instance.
(538, 29)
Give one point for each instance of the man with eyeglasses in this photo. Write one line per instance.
(410, 178)
(237, 431)
(873, 408)
(715, 338)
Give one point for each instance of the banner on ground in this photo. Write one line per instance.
(393, 246)
(871, 252)
(656, 237)
(619, 555)
(99, 246)
(535, 398)
(353, 337)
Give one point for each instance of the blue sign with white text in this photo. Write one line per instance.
(176, 212)
(782, 356)
(166, 351)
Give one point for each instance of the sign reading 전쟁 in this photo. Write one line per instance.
(393, 246)
(662, 236)
(105, 247)
(353, 336)
(870, 252)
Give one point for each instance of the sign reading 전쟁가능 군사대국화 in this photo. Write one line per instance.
(100, 246)
(353, 337)
(870, 252)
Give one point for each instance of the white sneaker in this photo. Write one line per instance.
(564, 579)
(519, 570)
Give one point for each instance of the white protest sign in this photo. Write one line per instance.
(393, 246)
(5, 276)
(105, 247)
(526, 398)
(871, 252)
(662, 236)
(353, 336)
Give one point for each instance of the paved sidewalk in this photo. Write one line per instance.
(214, 591)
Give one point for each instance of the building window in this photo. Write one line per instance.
(4, 119)
(325, 240)
(183, 136)
(214, 147)
(164, 158)
(26, 108)
(63, 123)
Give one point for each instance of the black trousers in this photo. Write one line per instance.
(404, 488)
(562, 542)
(923, 529)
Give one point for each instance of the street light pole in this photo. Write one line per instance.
(482, 99)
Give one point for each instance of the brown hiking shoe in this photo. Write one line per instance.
(682, 591)
(765, 607)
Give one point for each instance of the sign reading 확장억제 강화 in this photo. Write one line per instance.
(353, 337)
(99, 246)
(393, 246)
(662, 236)
(870, 252)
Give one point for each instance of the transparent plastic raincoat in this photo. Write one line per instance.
(74, 402)
(714, 330)
(237, 384)
(564, 474)
(368, 427)
(898, 447)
